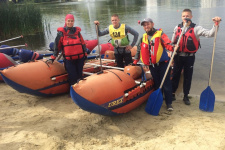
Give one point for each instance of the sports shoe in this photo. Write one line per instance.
(186, 100)
(169, 107)
(173, 97)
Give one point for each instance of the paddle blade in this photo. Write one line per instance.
(207, 100)
(154, 103)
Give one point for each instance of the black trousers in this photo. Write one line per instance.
(74, 69)
(158, 74)
(123, 56)
(186, 63)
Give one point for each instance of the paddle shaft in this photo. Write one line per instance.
(11, 39)
(60, 77)
(105, 66)
(214, 45)
(109, 60)
(175, 50)
(99, 47)
(58, 58)
(13, 47)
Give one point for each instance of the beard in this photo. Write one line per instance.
(151, 32)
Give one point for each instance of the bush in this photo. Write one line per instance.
(19, 19)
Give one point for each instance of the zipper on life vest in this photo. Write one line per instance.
(149, 48)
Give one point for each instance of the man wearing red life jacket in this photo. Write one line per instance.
(71, 42)
(151, 50)
(188, 46)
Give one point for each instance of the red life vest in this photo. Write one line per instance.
(188, 42)
(72, 44)
(145, 53)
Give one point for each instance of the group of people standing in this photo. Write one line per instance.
(152, 50)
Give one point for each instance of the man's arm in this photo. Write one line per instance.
(200, 31)
(173, 36)
(134, 33)
(101, 33)
(166, 42)
(137, 56)
(104, 32)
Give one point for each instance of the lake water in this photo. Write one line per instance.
(166, 15)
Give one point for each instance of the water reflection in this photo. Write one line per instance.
(208, 3)
(126, 2)
(130, 11)
(39, 44)
(165, 13)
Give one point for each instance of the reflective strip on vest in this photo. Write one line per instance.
(156, 47)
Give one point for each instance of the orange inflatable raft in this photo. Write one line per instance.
(35, 78)
(103, 48)
(91, 44)
(113, 92)
(42, 79)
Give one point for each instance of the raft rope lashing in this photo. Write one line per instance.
(140, 85)
(115, 74)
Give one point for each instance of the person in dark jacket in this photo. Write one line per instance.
(70, 41)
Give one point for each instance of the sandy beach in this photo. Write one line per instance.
(35, 123)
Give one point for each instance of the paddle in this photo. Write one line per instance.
(58, 58)
(155, 100)
(14, 46)
(111, 67)
(11, 39)
(96, 26)
(207, 98)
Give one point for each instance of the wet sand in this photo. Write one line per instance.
(57, 123)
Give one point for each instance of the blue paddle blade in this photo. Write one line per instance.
(154, 103)
(207, 100)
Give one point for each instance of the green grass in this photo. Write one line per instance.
(19, 19)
